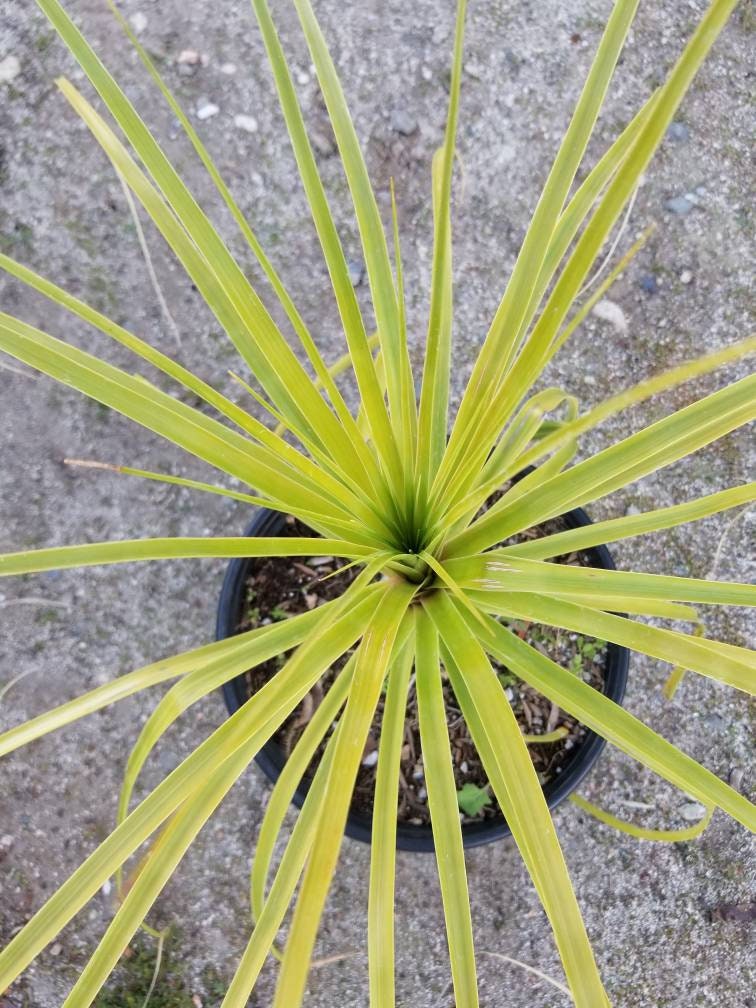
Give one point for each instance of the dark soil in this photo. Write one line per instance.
(281, 587)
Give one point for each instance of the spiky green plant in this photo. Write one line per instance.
(385, 490)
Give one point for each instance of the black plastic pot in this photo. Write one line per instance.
(271, 758)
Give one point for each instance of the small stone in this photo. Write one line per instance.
(6, 842)
(426, 73)
(56, 949)
(686, 277)
(247, 123)
(207, 110)
(422, 794)
(678, 132)
(196, 1001)
(10, 68)
(463, 766)
(228, 68)
(371, 759)
(189, 56)
(610, 311)
(402, 122)
(303, 77)
(138, 22)
(507, 153)
(679, 205)
(474, 70)
(323, 141)
(692, 811)
(713, 721)
(648, 283)
(736, 777)
(356, 269)
(632, 509)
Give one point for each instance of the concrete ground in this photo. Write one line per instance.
(670, 923)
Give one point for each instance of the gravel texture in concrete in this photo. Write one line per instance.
(670, 923)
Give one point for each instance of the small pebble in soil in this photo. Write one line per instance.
(246, 123)
(138, 22)
(356, 269)
(189, 57)
(323, 140)
(713, 721)
(610, 311)
(402, 122)
(206, 110)
(682, 205)
(678, 132)
(692, 811)
(371, 759)
(228, 68)
(736, 778)
(10, 68)
(648, 283)
(686, 277)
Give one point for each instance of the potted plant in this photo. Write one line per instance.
(432, 521)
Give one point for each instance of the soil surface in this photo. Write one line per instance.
(278, 588)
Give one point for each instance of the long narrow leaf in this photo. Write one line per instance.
(646, 523)
(493, 571)
(269, 706)
(287, 875)
(725, 663)
(500, 343)
(615, 724)
(346, 299)
(131, 550)
(255, 335)
(656, 446)
(383, 840)
(374, 246)
(442, 802)
(483, 433)
(434, 394)
(372, 663)
(499, 741)
(172, 419)
(324, 373)
(231, 650)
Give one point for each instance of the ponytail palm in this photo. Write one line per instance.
(397, 488)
